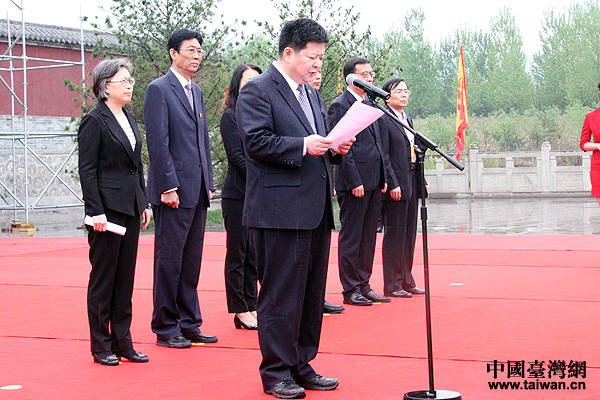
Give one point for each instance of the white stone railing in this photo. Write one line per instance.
(542, 177)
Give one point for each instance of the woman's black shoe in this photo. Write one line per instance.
(106, 359)
(133, 356)
(239, 324)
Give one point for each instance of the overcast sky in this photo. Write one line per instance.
(441, 17)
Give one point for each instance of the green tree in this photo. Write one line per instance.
(143, 27)
(410, 51)
(441, 130)
(547, 127)
(567, 69)
(476, 48)
(570, 127)
(345, 41)
(510, 86)
(447, 66)
(549, 69)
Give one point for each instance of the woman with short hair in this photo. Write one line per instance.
(114, 191)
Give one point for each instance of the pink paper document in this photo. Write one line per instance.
(357, 118)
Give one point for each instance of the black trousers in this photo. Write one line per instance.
(240, 264)
(110, 287)
(357, 239)
(292, 270)
(177, 259)
(399, 238)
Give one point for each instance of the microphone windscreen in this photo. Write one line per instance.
(351, 78)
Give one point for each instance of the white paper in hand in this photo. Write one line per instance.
(114, 228)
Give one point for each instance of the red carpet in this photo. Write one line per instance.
(518, 298)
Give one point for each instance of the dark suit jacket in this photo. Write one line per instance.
(111, 172)
(284, 189)
(178, 142)
(323, 108)
(397, 148)
(364, 163)
(234, 186)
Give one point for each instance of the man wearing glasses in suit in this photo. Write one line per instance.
(180, 185)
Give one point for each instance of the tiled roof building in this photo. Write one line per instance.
(52, 35)
(47, 94)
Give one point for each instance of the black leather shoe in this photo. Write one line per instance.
(133, 356)
(399, 293)
(376, 298)
(286, 390)
(106, 359)
(177, 342)
(331, 309)
(239, 324)
(415, 290)
(357, 299)
(320, 383)
(202, 338)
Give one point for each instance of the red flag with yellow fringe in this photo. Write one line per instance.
(462, 110)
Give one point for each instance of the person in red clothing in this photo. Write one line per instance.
(591, 127)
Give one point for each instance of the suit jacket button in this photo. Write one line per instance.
(133, 171)
(324, 176)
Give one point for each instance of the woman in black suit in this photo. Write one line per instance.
(112, 181)
(400, 204)
(240, 264)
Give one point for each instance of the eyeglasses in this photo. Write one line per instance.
(402, 91)
(125, 82)
(366, 74)
(192, 51)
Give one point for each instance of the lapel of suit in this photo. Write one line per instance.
(404, 134)
(115, 129)
(349, 97)
(286, 92)
(180, 93)
(197, 102)
(313, 99)
(137, 153)
(200, 121)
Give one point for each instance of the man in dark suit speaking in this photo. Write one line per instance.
(289, 208)
(180, 186)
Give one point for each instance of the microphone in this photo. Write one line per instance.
(352, 79)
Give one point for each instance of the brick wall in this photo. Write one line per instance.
(52, 144)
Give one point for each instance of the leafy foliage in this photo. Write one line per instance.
(568, 68)
(344, 43)
(510, 107)
(142, 28)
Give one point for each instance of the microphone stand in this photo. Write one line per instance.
(428, 144)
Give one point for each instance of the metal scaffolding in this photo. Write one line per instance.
(23, 138)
